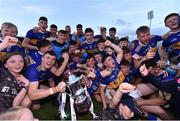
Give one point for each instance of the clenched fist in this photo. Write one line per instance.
(126, 87)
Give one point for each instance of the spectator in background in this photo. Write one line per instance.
(102, 34)
(68, 29)
(9, 33)
(13, 85)
(112, 35)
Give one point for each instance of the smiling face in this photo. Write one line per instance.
(9, 31)
(15, 64)
(48, 61)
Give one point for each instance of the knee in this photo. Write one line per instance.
(26, 114)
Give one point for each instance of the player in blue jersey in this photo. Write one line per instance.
(146, 47)
(10, 31)
(53, 30)
(110, 75)
(33, 36)
(78, 36)
(61, 44)
(89, 45)
(172, 42)
(37, 73)
(130, 75)
(161, 83)
(35, 57)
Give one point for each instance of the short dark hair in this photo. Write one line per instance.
(50, 53)
(43, 18)
(43, 43)
(123, 39)
(72, 42)
(170, 15)
(53, 26)
(149, 63)
(142, 29)
(112, 29)
(79, 26)
(62, 31)
(103, 28)
(101, 40)
(125, 62)
(90, 56)
(88, 30)
(126, 50)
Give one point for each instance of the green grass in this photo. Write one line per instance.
(49, 111)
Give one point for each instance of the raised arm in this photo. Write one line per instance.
(116, 48)
(58, 71)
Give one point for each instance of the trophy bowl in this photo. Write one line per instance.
(82, 102)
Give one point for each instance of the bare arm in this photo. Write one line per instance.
(20, 97)
(35, 93)
(26, 44)
(151, 102)
(58, 71)
(123, 88)
(116, 48)
(102, 89)
(8, 42)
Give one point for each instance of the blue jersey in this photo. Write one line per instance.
(115, 79)
(58, 48)
(140, 50)
(81, 38)
(131, 76)
(37, 36)
(34, 73)
(165, 81)
(172, 43)
(90, 48)
(34, 57)
(95, 82)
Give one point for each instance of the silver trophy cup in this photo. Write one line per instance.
(81, 101)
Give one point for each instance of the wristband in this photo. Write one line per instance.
(51, 91)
